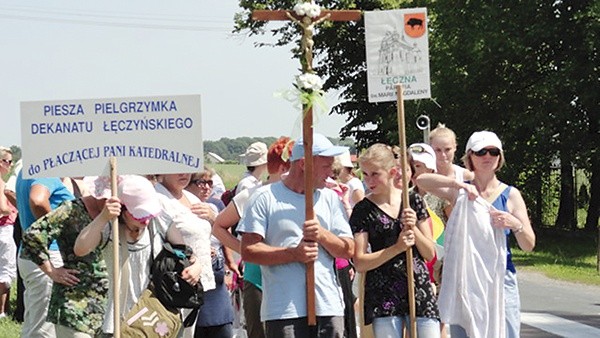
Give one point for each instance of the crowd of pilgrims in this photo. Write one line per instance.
(251, 243)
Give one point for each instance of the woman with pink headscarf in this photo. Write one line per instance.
(143, 222)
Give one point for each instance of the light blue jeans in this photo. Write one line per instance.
(512, 309)
(391, 327)
(512, 305)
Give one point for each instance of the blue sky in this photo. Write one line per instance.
(68, 49)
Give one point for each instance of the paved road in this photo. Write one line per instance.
(553, 308)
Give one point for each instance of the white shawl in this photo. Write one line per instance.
(472, 293)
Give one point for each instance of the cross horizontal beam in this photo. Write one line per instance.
(274, 15)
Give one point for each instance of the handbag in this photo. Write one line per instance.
(170, 288)
(149, 318)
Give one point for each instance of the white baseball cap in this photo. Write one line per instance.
(321, 147)
(423, 153)
(482, 139)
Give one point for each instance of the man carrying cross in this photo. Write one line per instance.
(276, 235)
(307, 15)
(295, 228)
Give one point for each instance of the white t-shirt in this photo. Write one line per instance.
(354, 184)
(459, 173)
(11, 183)
(247, 182)
(218, 186)
(240, 201)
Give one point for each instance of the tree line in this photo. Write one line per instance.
(230, 149)
(527, 70)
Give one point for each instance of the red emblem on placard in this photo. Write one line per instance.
(415, 24)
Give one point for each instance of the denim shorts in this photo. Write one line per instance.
(392, 327)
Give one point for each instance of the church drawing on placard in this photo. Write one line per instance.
(397, 56)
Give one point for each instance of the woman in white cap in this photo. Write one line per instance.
(484, 156)
(422, 160)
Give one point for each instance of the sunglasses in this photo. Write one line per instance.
(417, 149)
(7, 161)
(492, 151)
(201, 182)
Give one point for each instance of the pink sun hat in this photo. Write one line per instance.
(135, 192)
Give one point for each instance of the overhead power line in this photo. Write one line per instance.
(113, 19)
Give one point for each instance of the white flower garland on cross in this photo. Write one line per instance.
(310, 9)
(309, 82)
(309, 86)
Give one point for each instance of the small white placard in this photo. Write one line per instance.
(397, 53)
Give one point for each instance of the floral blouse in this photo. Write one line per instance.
(386, 287)
(79, 307)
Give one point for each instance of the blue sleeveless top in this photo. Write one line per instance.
(500, 204)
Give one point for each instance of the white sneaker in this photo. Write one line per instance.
(2, 315)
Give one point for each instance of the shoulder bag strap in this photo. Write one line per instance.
(151, 231)
(125, 271)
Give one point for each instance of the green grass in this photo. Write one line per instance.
(562, 255)
(230, 173)
(8, 327)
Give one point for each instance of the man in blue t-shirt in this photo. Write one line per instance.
(35, 198)
(276, 235)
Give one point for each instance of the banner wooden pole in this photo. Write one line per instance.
(116, 260)
(406, 204)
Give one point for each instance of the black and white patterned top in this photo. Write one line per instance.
(386, 287)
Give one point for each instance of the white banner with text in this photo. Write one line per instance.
(146, 135)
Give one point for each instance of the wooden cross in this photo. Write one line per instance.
(307, 24)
